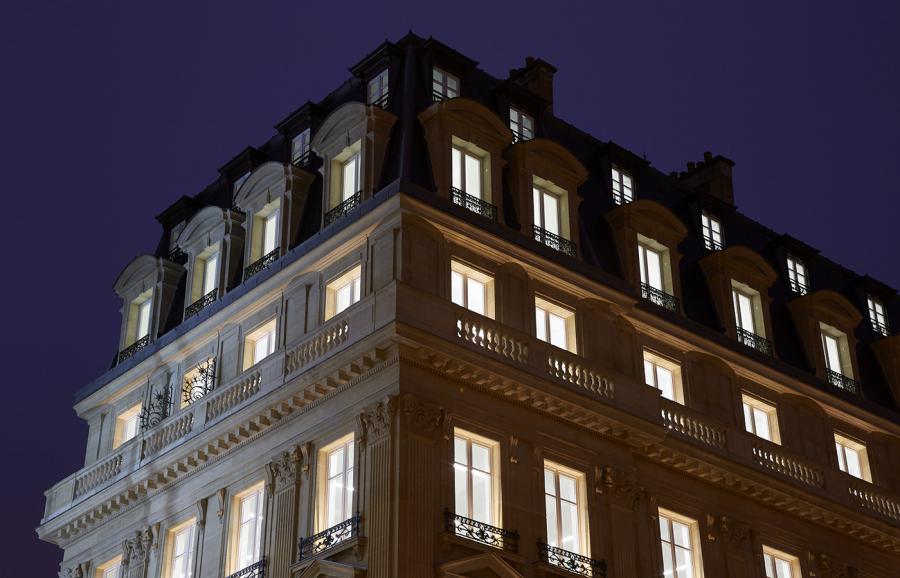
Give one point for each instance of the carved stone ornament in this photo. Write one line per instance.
(136, 550)
(377, 419)
(736, 533)
(282, 470)
(305, 452)
(201, 512)
(421, 415)
(828, 566)
(620, 484)
(76, 571)
(220, 494)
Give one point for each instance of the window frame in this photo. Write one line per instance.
(754, 405)
(171, 537)
(382, 82)
(352, 278)
(757, 316)
(468, 149)
(307, 133)
(467, 273)
(443, 82)
(658, 361)
(549, 308)
(845, 360)
(581, 506)
(877, 314)
(236, 521)
(646, 244)
(132, 413)
(773, 554)
(269, 329)
(494, 476)
(114, 564)
(617, 177)
(798, 275)
(696, 545)
(843, 443)
(713, 236)
(517, 118)
(321, 519)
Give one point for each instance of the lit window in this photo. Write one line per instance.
(565, 501)
(656, 273)
(472, 289)
(797, 275)
(343, 291)
(760, 418)
(467, 172)
(521, 124)
(680, 542)
(443, 84)
(181, 550)
(836, 351)
(476, 477)
(109, 569)
(336, 483)
(266, 230)
(259, 344)
(877, 316)
(622, 186)
(300, 146)
(199, 381)
(852, 457)
(554, 324)
(240, 181)
(780, 565)
(546, 211)
(378, 89)
(748, 316)
(350, 184)
(664, 375)
(206, 273)
(126, 425)
(247, 527)
(139, 317)
(712, 232)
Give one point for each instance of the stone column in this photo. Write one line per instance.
(624, 496)
(379, 502)
(136, 554)
(282, 485)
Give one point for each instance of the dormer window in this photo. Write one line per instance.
(852, 458)
(521, 124)
(205, 280)
(264, 246)
(346, 183)
(443, 85)
(797, 275)
(748, 318)
(838, 366)
(712, 232)
(877, 315)
(139, 319)
(656, 274)
(554, 324)
(378, 90)
(343, 291)
(551, 216)
(622, 186)
(300, 149)
(350, 177)
(470, 186)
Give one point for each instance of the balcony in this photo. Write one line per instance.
(201, 304)
(342, 209)
(798, 287)
(328, 539)
(520, 137)
(841, 381)
(202, 382)
(554, 241)
(660, 297)
(257, 570)
(303, 161)
(382, 101)
(480, 532)
(261, 263)
(572, 562)
(712, 244)
(879, 328)
(129, 351)
(473, 203)
(754, 341)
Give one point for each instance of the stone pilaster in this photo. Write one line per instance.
(379, 503)
(822, 565)
(624, 496)
(730, 540)
(283, 485)
(136, 554)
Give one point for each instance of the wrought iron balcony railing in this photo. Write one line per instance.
(200, 382)
(201, 304)
(879, 328)
(261, 263)
(342, 209)
(753, 340)
(620, 198)
(327, 539)
(799, 288)
(554, 241)
(660, 297)
(473, 203)
(257, 570)
(712, 244)
(157, 407)
(382, 101)
(438, 96)
(841, 381)
(520, 137)
(574, 563)
(134, 348)
(481, 532)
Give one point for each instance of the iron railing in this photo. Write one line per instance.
(712, 244)
(134, 348)
(438, 96)
(342, 209)
(755, 341)
(798, 287)
(261, 263)
(201, 304)
(303, 161)
(620, 198)
(879, 328)
(382, 101)
(201, 381)
(554, 241)
(327, 539)
(257, 570)
(481, 532)
(473, 203)
(520, 137)
(157, 407)
(660, 297)
(841, 381)
(574, 563)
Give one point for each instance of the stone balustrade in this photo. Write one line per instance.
(869, 497)
(490, 336)
(775, 458)
(681, 420)
(326, 340)
(97, 475)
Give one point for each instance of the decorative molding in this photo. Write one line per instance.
(201, 512)
(305, 453)
(513, 448)
(76, 571)
(136, 550)
(621, 485)
(736, 533)
(378, 418)
(220, 494)
(282, 471)
(824, 566)
(421, 415)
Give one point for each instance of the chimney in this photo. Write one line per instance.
(537, 76)
(712, 175)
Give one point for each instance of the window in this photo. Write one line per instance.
(443, 84)
(300, 147)
(748, 315)
(126, 425)
(180, 550)
(198, 382)
(565, 499)
(780, 565)
(467, 171)
(265, 231)
(797, 275)
(259, 344)
(343, 291)
(877, 316)
(760, 418)
(837, 352)
(852, 457)
(546, 210)
(246, 530)
(656, 273)
(680, 542)
(139, 317)
(109, 569)
(554, 324)
(336, 483)
(521, 124)
(206, 273)
(622, 186)
(378, 89)
(350, 183)
(472, 289)
(476, 477)
(712, 232)
(664, 375)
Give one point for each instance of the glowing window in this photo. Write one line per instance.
(554, 324)
(472, 289)
(127, 425)
(259, 343)
(476, 477)
(565, 503)
(664, 375)
(852, 457)
(680, 541)
(622, 186)
(760, 418)
(343, 291)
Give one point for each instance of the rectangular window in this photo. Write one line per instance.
(443, 84)
(126, 425)
(836, 351)
(712, 232)
(247, 527)
(852, 457)
(476, 477)
(350, 184)
(747, 309)
(780, 565)
(760, 418)
(797, 275)
(259, 343)
(622, 186)
(546, 211)
(139, 317)
(472, 289)
(467, 172)
(198, 382)
(181, 550)
(336, 483)
(877, 316)
(109, 569)
(680, 541)
(554, 324)
(300, 146)
(663, 374)
(378, 89)
(565, 500)
(650, 261)
(210, 270)
(521, 124)
(343, 291)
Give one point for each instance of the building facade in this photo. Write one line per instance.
(431, 329)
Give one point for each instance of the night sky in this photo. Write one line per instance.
(109, 112)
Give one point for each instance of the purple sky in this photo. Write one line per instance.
(110, 112)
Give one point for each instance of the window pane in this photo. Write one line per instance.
(684, 563)
(342, 298)
(668, 562)
(538, 216)
(456, 157)
(476, 296)
(833, 354)
(654, 270)
(261, 348)
(481, 497)
(459, 484)
(473, 176)
(481, 457)
(552, 522)
(746, 308)
(665, 382)
(649, 374)
(270, 228)
(540, 323)
(349, 187)
(549, 482)
(457, 289)
(748, 418)
(853, 464)
(840, 456)
(642, 263)
(783, 568)
(460, 455)
(335, 499)
(567, 488)
(551, 213)
(569, 526)
(761, 420)
(143, 327)
(682, 534)
(557, 330)
(664, 529)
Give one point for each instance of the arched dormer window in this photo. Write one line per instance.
(544, 178)
(352, 143)
(147, 287)
(465, 144)
(213, 240)
(647, 236)
(273, 198)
